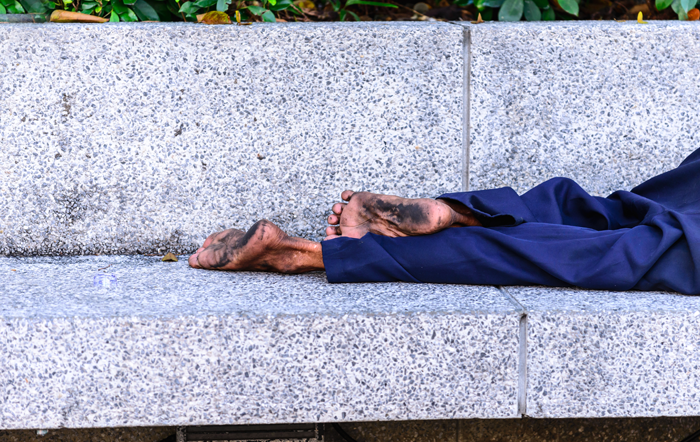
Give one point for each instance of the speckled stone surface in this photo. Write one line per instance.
(170, 345)
(609, 354)
(608, 104)
(140, 138)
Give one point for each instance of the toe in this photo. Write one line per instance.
(333, 220)
(346, 195)
(211, 238)
(332, 231)
(193, 262)
(338, 208)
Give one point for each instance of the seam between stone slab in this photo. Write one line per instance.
(466, 100)
(522, 353)
(466, 105)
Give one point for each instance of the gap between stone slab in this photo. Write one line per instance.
(466, 104)
(522, 353)
(466, 101)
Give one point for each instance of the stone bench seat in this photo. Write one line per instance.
(169, 345)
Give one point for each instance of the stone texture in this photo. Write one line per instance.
(171, 345)
(607, 104)
(610, 354)
(140, 138)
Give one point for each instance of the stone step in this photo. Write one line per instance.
(164, 344)
(171, 345)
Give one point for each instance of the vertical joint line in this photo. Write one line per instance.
(466, 108)
(522, 367)
(522, 353)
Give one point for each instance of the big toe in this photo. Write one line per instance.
(193, 262)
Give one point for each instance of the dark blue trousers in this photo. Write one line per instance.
(556, 234)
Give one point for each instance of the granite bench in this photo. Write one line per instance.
(119, 143)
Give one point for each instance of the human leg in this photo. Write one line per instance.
(654, 257)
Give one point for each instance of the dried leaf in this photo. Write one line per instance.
(169, 258)
(478, 20)
(215, 18)
(238, 17)
(59, 16)
(694, 14)
(640, 18)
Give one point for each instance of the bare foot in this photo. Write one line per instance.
(265, 247)
(394, 216)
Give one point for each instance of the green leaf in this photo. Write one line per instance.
(687, 5)
(145, 11)
(479, 5)
(2, 9)
(569, 6)
(222, 5)
(342, 14)
(205, 3)
(269, 17)
(512, 10)
(272, 2)
(281, 5)
(129, 2)
(531, 11)
(493, 3)
(117, 6)
(114, 17)
(129, 16)
(336, 5)
(34, 6)
(257, 10)
(364, 2)
(88, 5)
(354, 16)
(548, 15)
(189, 8)
(542, 4)
(15, 8)
(676, 6)
(663, 4)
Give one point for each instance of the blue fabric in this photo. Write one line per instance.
(556, 234)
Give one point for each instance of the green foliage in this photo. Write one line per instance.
(680, 7)
(343, 11)
(269, 10)
(511, 10)
(531, 10)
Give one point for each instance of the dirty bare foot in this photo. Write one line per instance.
(394, 216)
(265, 247)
